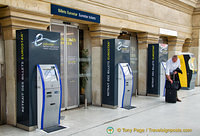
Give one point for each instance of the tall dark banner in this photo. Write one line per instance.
(32, 47)
(114, 51)
(157, 53)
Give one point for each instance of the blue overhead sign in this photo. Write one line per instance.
(73, 13)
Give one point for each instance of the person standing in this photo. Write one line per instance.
(171, 66)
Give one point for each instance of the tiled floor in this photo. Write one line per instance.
(151, 112)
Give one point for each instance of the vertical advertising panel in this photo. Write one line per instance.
(108, 72)
(22, 80)
(157, 53)
(32, 47)
(153, 69)
(72, 38)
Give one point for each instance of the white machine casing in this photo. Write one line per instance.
(125, 85)
(49, 95)
(162, 78)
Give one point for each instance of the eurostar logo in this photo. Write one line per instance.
(39, 38)
(121, 45)
(163, 48)
(110, 130)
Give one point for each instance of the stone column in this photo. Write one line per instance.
(143, 40)
(187, 45)
(98, 33)
(195, 46)
(175, 45)
(13, 19)
(195, 49)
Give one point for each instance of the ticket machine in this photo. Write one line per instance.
(49, 95)
(125, 85)
(162, 78)
(189, 69)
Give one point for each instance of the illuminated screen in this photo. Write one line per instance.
(193, 64)
(50, 75)
(127, 70)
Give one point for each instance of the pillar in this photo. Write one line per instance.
(143, 40)
(98, 33)
(195, 49)
(195, 46)
(13, 19)
(187, 45)
(175, 45)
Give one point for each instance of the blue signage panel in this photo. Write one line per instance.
(73, 13)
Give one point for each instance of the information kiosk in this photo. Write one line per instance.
(49, 94)
(125, 85)
(189, 69)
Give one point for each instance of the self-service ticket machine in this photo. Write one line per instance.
(49, 94)
(125, 85)
(162, 78)
(189, 69)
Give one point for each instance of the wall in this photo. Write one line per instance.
(138, 15)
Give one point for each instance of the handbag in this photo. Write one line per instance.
(174, 85)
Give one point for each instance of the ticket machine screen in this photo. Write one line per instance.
(192, 64)
(127, 70)
(50, 75)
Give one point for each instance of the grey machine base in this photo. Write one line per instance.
(129, 107)
(53, 128)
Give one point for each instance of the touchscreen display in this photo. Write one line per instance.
(50, 75)
(127, 70)
(193, 64)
